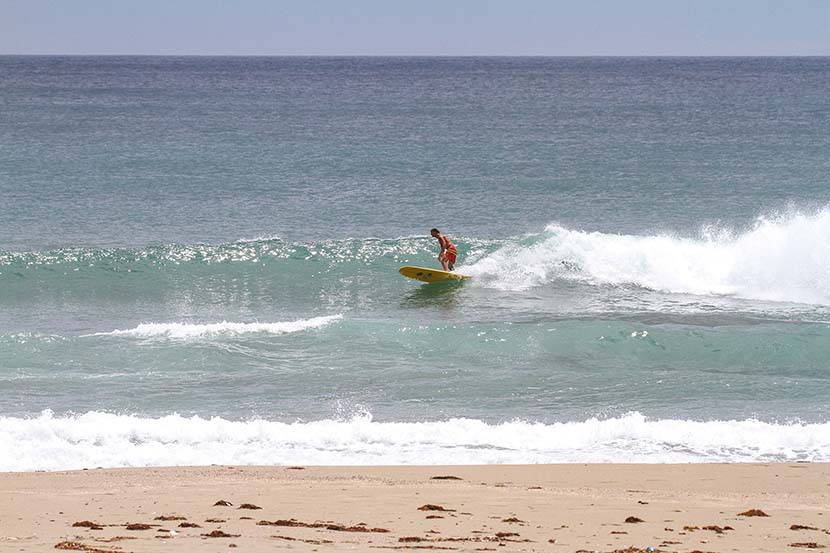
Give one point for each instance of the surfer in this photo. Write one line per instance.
(448, 254)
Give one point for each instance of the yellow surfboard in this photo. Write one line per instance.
(425, 274)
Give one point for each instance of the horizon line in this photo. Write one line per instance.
(421, 55)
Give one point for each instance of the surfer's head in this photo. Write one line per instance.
(435, 232)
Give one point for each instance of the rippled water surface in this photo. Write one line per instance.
(198, 260)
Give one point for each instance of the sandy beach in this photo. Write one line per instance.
(569, 508)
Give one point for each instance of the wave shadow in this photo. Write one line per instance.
(436, 294)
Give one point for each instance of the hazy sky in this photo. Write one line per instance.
(416, 27)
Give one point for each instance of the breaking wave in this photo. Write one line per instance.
(95, 439)
(782, 259)
(184, 330)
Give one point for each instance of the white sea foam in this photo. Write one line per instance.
(108, 440)
(778, 259)
(185, 331)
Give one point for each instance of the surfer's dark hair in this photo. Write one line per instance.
(434, 230)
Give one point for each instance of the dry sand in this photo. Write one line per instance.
(565, 508)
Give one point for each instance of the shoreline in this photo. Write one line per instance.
(568, 508)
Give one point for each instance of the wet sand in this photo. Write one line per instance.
(558, 508)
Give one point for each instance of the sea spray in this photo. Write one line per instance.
(784, 259)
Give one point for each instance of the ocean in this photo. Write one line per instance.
(198, 260)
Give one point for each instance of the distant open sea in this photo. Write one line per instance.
(198, 260)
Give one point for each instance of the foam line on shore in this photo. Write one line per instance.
(93, 439)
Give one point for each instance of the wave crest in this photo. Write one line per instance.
(783, 259)
(184, 330)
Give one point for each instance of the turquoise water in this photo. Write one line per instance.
(198, 260)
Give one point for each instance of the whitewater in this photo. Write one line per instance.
(103, 439)
(780, 259)
(187, 331)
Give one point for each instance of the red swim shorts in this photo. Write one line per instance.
(450, 256)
